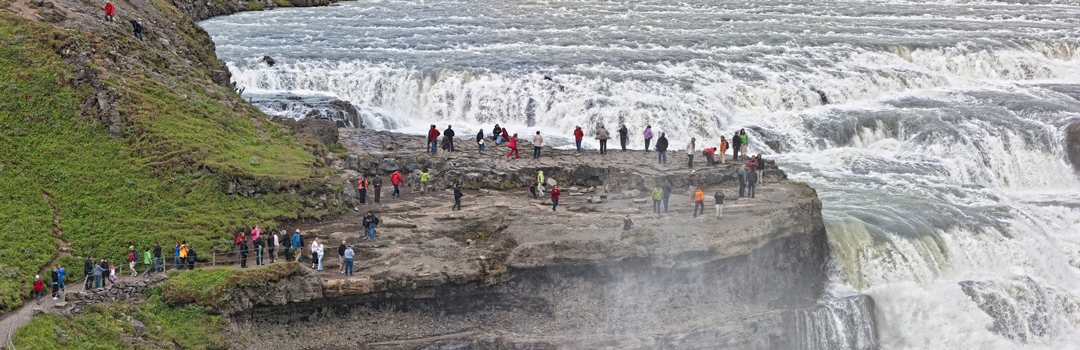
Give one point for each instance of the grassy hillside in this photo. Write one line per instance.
(185, 140)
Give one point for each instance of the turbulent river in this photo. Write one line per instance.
(933, 131)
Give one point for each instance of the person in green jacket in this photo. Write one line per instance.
(657, 196)
(424, 177)
(745, 140)
(148, 260)
(540, 177)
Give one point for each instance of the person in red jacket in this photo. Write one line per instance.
(38, 284)
(513, 147)
(109, 11)
(396, 179)
(432, 139)
(578, 134)
(555, 197)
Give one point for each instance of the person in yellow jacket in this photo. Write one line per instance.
(657, 196)
(699, 202)
(183, 254)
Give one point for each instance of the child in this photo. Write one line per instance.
(112, 274)
(424, 177)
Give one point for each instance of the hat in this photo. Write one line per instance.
(37, 277)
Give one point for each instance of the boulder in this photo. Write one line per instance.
(640, 200)
(140, 328)
(269, 60)
(322, 129)
(220, 77)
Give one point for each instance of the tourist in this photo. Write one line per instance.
(736, 141)
(744, 140)
(361, 186)
(396, 179)
(624, 135)
(708, 152)
(256, 232)
(148, 260)
(537, 141)
(555, 197)
(578, 135)
(760, 168)
(540, 188)
(370, 221)
(176, 257)
(376, 184)
(457, 197)
(341, 256)
(480, 141)
(540, 177)
(109, 10)
(433, 139)
(719, 196)
(741, 173)
(699, 202)
(661, 149)
(112, 273)
(532, 188)
(751, 181)
(60, 271)
(648, 136)
(690, 146)
(259, 243)
(298, 245)
(271, 246)
(191, 257)
(666, 186)
(38, 284)
(158, 263)
(136, 28)
(692, 179)
(88, 271)
(97, 270)
(239, 253)
(55, 282)
(602, 135)
(287, 246)
(504, 136)
(723, 150)
(495, 133)
(132, 257)
(627, 224)
(513, 147)
(243, 248)
(424, 177)
(448, 137)
(316, 254)
(657, 196)
(349, 255)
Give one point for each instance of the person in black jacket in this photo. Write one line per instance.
(495, 132)
(158, 266)
(341, 255)
(736, 142)
(719, 196)
(751, 182)
(480, 141)
(136, 28)
(259, 245)
(624, 135)
(448, 135)
(88, 270)
(376, 183)
(191, 256)
(661, 148)
(457, 197)
(243, 252)
(370, 221)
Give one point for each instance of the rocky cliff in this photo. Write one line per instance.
(508, 272)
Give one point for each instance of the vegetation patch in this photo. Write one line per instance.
(112, 326)
(214, 288)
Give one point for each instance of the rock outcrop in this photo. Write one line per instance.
(201, 10)
(1072, 144)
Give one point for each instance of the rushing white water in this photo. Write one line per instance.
(932, 130)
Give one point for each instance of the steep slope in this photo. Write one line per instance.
(110, 141)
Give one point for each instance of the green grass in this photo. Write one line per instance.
(283, 3)
(99, 327)
(165, 180)
(214, 288)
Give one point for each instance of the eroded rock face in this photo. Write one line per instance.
(1072, 144)
(322, 129)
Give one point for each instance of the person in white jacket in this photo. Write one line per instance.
(537, 141)
(317, 254)
(690, 152)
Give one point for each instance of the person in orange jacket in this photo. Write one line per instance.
(362, 186)
(396, 179)
(699, 202)
(723, 150)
